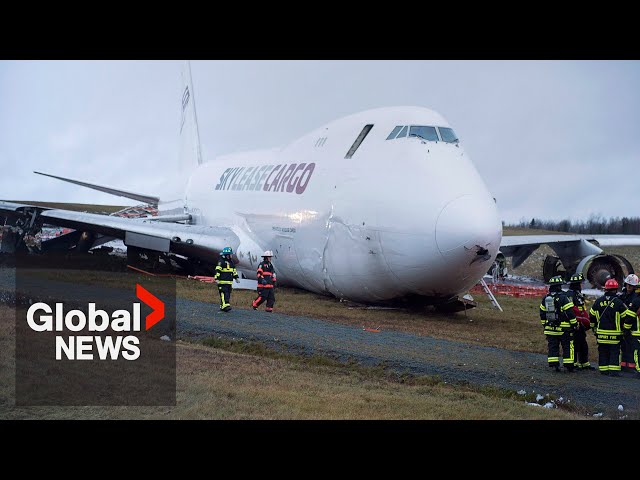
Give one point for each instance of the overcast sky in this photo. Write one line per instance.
(552, 139)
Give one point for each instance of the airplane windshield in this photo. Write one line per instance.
(426, 133)
(448, 135)
(430, 134)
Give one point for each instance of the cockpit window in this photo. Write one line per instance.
(448, 135)
(431, 134)
(394, 132)
(426, 133)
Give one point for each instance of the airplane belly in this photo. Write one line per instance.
(415, 263)
(287, 263)
(354, 266)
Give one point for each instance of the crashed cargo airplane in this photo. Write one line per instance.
(376, 207)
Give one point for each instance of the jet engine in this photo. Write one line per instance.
(597, 269)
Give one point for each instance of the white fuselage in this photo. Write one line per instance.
(400, 218)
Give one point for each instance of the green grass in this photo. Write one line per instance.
(219, 379)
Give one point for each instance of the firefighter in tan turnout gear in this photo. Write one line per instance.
(609, 316)
(559, 322)
(225, 275)
(266, 283)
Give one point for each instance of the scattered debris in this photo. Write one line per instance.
(620, 408)
(203, 278)
(165, 338)
(549, 405)
(533, 404)
(521, 392)
(597, 414)
(374, 330)
(539, 397)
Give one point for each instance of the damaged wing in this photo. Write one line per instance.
(182, 239)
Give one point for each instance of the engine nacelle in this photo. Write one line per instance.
(597, 269)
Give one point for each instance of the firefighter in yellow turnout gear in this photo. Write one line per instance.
(559, 322)
(225, 275)
(610, 316)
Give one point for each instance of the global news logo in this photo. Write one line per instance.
(41, 317)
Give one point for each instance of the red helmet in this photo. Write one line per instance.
(611, 284)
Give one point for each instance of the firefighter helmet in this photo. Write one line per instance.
(557, 280)
(576, 278)
(227, 251)
(611, 284)
(632, 279)
(268, 253)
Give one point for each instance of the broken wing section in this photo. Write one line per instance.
(188, 240)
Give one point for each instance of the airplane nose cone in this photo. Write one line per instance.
(467, 222)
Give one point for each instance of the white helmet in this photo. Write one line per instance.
(269, 253)
(632, 279)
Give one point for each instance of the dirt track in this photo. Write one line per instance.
(401, 352)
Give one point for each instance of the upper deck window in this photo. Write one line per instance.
(426, 133)
(448, 135)
(359, 139)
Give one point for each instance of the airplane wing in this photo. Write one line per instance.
(141, 197)
(148, 233)
(601, 240)
(521, 246)
(574, 251)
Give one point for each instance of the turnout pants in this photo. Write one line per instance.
(581, 347)
(225, 296)
(609, 357)
(636, 354)
(627, 349)
(568, 354)
(265, 294)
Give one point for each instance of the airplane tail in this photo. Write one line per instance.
(174, 199)
(190, 152)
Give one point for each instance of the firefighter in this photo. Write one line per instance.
(559, 322)
(627, 342)
(225, 274)
(266, 283)
(635, 331)
(609, 316)
(582, 316)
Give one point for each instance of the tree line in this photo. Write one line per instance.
(595, 224)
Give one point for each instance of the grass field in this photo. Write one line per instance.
(233, 380)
